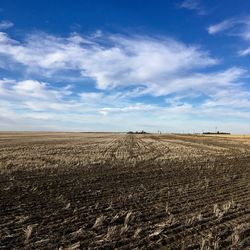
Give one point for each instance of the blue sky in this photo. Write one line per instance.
(174, 66)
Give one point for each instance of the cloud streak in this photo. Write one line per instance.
(234, 27)
(222, 26)
(237, 27)
(193, 5)
(122, 61)
(122, 71)
(4, 25)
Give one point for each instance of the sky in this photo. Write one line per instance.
(115, 65)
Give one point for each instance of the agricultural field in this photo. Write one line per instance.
(118, 191)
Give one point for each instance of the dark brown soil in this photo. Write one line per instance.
(107, 191)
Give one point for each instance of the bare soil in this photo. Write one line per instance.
(117, 191)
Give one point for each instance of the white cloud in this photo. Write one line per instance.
(142, 61)
(6, 25)
(222, 26)
(94, 110)
(244, 52)
(239, 26)
(91, 96)
(125, 61)
(123, 68)
(235, 98)
(234, 27)
(132, 108)
(30, 88)
(34, 95)
(193, 5)
(207, 83)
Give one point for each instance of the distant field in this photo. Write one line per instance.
(106, 191)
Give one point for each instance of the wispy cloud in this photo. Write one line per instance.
(193, 5)
(123, 69)
(34, 95)
(244, 52)
(6, 25)
(222, 26)
(238, 27)
(123, 61)
(131, 108)
(39, 105)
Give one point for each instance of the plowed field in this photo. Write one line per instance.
(107, 191)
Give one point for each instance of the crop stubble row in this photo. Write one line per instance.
(100, 191)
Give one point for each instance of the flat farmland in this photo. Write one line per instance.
(119, 191)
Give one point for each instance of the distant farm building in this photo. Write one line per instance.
(140, 132)
(215, 133)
